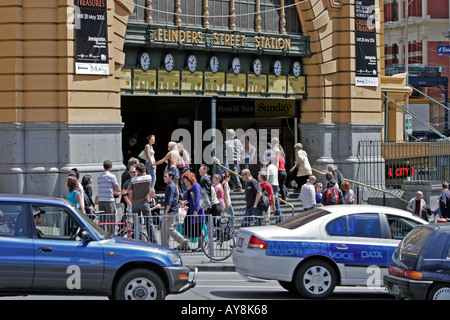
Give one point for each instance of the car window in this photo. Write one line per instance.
(400, 226)
(303, 218)
(414, 242)
(13, 220)
(57, 223)
(338, 227)
(356, 225)
(364, 225)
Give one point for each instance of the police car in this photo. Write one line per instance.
(311, 253)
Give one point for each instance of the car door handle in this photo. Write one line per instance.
(45, 249)
(342, 247)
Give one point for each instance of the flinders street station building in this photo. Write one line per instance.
(80, 78)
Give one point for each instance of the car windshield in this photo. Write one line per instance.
(99, 232)
(304, 218)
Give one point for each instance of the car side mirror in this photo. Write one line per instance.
(86, 236)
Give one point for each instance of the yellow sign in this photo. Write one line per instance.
(257, 85)
(168, 81)
(125, 79)
(277, 85)
(274, 108)
(144, 80)
(191, 82)
(215, 82)
(236, 83)
(296, 85)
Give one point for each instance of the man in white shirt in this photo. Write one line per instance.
(233, 157)
(107, 189)
(308, 194)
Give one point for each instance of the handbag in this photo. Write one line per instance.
(143, 155)
(181, 215)
(205, 202)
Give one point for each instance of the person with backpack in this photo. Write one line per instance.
(253, 193)
(308, 194)
(267, 191)
(332, 195)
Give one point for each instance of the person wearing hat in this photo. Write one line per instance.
(37, 215)
(332, 195)
(308, 194)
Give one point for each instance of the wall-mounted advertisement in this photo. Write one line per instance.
(91, 37)
(366, 43)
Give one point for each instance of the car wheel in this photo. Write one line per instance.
(439, 292)
(315, 279)
(140, 284)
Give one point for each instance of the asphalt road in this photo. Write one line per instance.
(233, 286)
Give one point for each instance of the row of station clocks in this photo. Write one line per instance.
(168, 63)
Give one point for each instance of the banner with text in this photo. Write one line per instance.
(91, 37)
(366, 43)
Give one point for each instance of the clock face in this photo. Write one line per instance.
(168, 62)
(144, 61)
(214, 64)
(277, 68)
(192, 63)
(236, 65)
(257, 67)
(296, 69)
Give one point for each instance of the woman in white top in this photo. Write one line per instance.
(172, 157)
(150, 163)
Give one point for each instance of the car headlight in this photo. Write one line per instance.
(175, 258)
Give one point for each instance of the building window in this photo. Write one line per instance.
(244, 20)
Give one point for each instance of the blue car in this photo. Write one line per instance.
(49, 247)
(420, 266)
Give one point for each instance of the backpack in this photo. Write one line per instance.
(331, 196)
(264, 201)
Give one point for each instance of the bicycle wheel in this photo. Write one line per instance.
(221, 246)
(143, 236)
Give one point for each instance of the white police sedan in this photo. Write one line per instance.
(344, 245)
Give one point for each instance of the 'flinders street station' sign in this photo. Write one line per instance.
(296, 45)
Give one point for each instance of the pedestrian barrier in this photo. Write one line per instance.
(187, 234)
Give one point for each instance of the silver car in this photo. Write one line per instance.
(311, 253)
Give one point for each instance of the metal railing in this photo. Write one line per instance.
(240, 177)
(186, 233)
(391, 164)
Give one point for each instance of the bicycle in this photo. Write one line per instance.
(126, 228)
(223, 241)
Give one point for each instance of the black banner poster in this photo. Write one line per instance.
(366, 43)
(91, 37)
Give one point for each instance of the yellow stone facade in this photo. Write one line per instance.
(332, 94)
(37, 78)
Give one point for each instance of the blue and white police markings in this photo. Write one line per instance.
(315, 251)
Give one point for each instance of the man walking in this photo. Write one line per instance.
(107, 189)
(444, 201)
(308, 194)
(233, 149)
(253, 193)
(170, 213)
(139, 194)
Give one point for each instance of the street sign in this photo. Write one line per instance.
(408, 124)
(443, 50)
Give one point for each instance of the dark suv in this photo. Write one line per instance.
(420, 266)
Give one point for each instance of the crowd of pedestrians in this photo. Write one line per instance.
(188, 201)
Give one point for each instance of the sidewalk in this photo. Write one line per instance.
(203, 263)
